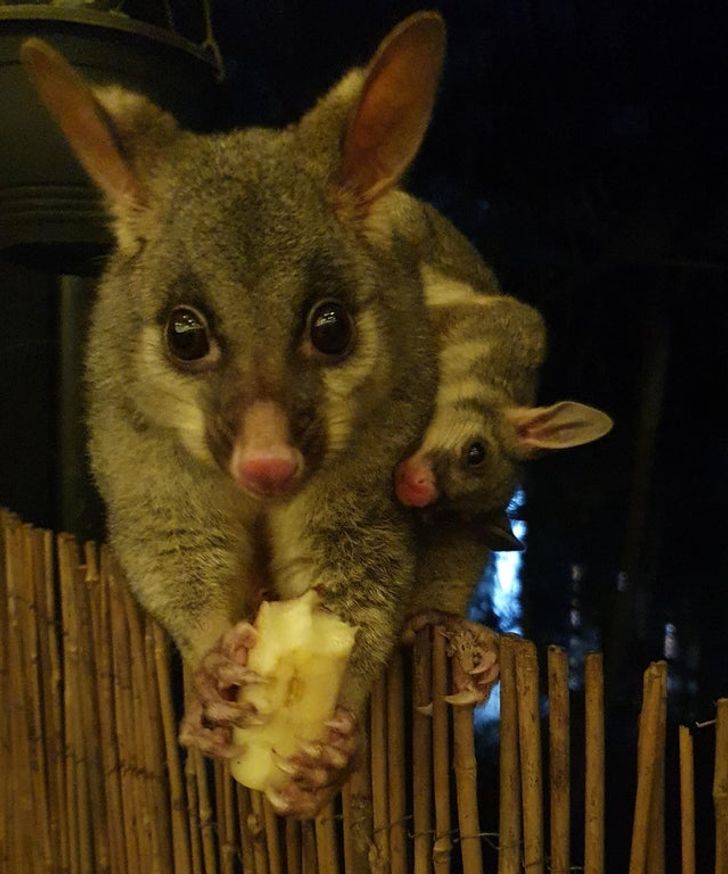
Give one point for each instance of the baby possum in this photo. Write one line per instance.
(465, 470)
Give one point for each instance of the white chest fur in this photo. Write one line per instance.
(292, 564)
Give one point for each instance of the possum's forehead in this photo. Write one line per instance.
(245, 222)
(452, 429)
(252, 188)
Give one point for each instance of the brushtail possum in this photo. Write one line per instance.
(259, 359)
(466, 468)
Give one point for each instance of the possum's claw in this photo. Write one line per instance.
(318, 769)
(213, 708)
(473, 649)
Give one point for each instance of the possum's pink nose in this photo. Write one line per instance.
(264, 461)
(415, 484)
(268, 475)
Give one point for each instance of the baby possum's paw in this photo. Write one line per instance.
(213, 708)
(475, 669)
(317, 771)
(473, 649)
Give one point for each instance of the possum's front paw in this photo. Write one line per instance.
(318, 769)
(473, 649)
(213, 709)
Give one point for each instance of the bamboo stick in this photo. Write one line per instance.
(157, 779)
(510, 784)
(293, 848)
(89, 619)
(48, 741)
(12, 828)
(141, 736)
(138, 730)
(32, 686)
(272, 838)
(91, 623)
(647, 750)
(123, 723)
(529, 734)
(53, 695)
(76, 612)
(35, 594)
(6, 751)
(21, 797)
(216, 767)
(466, 781)
(193, 813)
(309, 848)
(246, 838)
(346, 827)
(158, 772)
(227, 823)
(442, 848)
(687, 801)
(207, 824)
(109, 750)
(594, 794)
(66, 565)
(396, 765)
(327, 851)
(256, 821)
(379, 773)
(421, 751)
(80, 623)
(361, 837)
(180, 823)
(223, 827)
(720, 788)
(656, 842)
(559, 758)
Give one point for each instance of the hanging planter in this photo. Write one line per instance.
(50, 216)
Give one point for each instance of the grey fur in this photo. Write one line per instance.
(245, 215)
(506, 343)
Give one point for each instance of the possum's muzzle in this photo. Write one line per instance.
(414, 483)
(264, 462)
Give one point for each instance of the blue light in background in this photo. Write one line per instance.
(503, 578)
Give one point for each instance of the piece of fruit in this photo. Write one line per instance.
(301, 653)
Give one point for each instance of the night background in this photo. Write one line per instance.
(582, 148)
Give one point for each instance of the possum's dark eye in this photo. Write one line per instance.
(475, 454)
(330, 328)
(187, 335)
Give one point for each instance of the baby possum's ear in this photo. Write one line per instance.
(561, 426)
(116, 134)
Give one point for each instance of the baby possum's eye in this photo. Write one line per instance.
(187, 336)
(330, 328)
(475, 454)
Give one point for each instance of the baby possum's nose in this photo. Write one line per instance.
(263, 460)
(415, 483)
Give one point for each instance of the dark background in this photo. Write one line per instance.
(582, 148)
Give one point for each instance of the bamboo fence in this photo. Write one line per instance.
(94, 781)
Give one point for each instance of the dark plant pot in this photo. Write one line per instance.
(50, 215)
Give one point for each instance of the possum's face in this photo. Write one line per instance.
(268, 345)
(463, 463)
(261, 311)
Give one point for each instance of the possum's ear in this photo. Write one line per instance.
(116, 134)
(498, 535)
(393, 110)
(561, 426)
